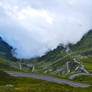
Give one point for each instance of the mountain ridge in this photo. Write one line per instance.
(58, 61)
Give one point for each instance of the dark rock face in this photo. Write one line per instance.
(4, 47)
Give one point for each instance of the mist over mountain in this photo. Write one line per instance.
(33, 28)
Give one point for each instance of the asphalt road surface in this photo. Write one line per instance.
(47, 78)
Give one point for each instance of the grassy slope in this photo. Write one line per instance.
(5, 66)
(84, 79)
(87, 63)
(86, 50)
(34, 85)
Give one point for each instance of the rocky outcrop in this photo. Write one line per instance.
(75, 66)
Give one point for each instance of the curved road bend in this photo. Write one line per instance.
(80, 74)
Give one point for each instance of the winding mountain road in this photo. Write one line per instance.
(47, 78)
(80, 74)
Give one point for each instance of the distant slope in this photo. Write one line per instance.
(84, 43)
(5, 66)
(5, 50)
(6, 57)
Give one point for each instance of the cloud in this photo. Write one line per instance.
(34, 27)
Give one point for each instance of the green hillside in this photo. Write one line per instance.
(13, 84)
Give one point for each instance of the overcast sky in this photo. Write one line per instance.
(32, 27)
